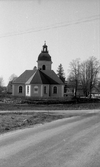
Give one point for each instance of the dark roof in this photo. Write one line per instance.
(44, 55)
(24, 76)
(52, 76)
(38, 77)
(44, 77)
(96, 90)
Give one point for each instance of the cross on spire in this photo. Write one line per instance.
(45, 47)
(44, 42)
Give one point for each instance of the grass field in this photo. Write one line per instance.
(59, 106)
(15, 103)
(11, 121)
(17, 120)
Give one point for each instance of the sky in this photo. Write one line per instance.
(71, 29)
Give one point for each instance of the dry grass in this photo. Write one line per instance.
(67, 106)
(17, 120)
(12, 121)
(16, 103)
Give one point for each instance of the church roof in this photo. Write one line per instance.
(44, 55)
(52, 76)
(24, 76)
(38, 77)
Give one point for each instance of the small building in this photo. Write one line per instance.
(69, 89)
(41, 81)
(95, 92)
(9, 87)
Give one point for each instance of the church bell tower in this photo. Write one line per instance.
(44, 59)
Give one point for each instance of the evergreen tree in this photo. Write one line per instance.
(74, 74)
(60, 73)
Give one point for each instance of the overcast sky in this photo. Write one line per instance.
(71, 29)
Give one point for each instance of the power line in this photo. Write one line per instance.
(53, 26)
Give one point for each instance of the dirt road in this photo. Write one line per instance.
(71, 142)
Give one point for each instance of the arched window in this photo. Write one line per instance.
(20, 89)
(55, 90)
(43, 67)
(27, 89)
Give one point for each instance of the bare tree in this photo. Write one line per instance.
(93, 71)
(13, 77)
(98, 85)
(84, 77)
(1, 83)
(89, 74)
(74, 74)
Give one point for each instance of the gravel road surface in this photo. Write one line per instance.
(70, 142)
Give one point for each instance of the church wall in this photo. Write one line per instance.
(59, 91)
(15, 90)
(28, 90)
(36, 90)
(62, 90)
(46, 63)
(45, 92)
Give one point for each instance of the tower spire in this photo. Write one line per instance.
(45, 47)
(44, 59)
(44, 42)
